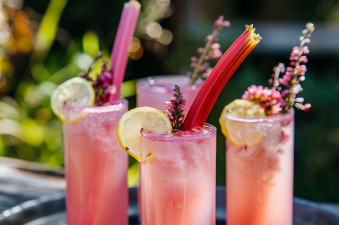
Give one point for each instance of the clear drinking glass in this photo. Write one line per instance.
(154, 91)
(178, 174)
(96, 167)
(260, 174)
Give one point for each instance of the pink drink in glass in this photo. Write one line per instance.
(178, 173)
(96, 168)
(154, 91)
(260, 177)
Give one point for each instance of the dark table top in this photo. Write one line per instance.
(33, 190)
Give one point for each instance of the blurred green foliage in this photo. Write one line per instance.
(29, 129)
(63, 36)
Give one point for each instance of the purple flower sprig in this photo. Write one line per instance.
(175, 109)
(282, 96)
(210, 51)
(102, 85)
(296, 73)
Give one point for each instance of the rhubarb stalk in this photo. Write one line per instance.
(122, 42)
(218, 78)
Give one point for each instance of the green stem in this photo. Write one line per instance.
(276, 76)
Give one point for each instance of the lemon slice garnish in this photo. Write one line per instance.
(76, 92)
(133, 121)
(237, 132)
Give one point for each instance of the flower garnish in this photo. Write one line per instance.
(210, 51)
(268, 99)
(282, 96)
(102, 84)
(175, 109)
(219, 76)
(296, 73)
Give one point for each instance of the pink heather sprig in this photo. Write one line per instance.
(209, 52)
(268, 99)
(175, 109)
(279, 100)
(102, 84)
(296, 73)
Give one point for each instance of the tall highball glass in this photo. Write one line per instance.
(178, 174)
(154, 91)
(96, 167)
(259, 169)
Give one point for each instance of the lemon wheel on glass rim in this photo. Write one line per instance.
(237, 132)
(133, 121)
(76, 92)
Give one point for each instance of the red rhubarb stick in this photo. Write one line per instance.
(122, 42)
(218, 78)
(117, 40)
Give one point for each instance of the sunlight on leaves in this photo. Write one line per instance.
(133, 175)
(128, 88)
(34, 132)
(90, 43)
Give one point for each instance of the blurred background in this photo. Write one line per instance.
(43, 43)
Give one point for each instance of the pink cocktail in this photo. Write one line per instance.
(96, 167)
(154, 91)
(178, 177)
(260, 175)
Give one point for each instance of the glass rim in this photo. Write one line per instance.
(255, 119)
(141, 81)
(163, 137)
(116, 106)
